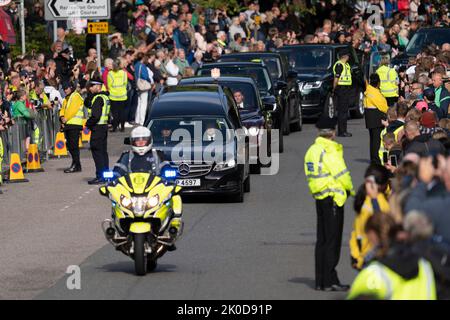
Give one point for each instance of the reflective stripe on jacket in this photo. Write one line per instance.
(326, 171)
(105, 108)
(382, 149)
(379, 282)
(389, 81)
(117, 85)
(346, 76)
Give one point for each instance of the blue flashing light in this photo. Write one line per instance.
(108, 175)
(169, 173)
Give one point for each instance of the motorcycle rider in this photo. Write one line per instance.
(141, 157)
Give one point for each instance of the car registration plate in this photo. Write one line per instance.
(188, 182)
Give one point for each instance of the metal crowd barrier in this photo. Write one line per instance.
(41, 130)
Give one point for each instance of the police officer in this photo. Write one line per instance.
(389, 81)
(329, 182)
(98, 101)
(117, 85)
(376, 107)
(141, 157)
(342, 90)
(71, 116)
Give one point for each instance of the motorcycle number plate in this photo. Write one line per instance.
(188, 182)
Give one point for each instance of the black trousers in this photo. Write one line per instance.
(99, 149)
(72, 136)
(374, 134)
(330, 223)
(342, 101)
(119, 113)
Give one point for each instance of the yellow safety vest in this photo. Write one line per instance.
(389, 80)
(379, 282)
(326, 171)
(382, 149)
(79, 116)
(105, 108)
(117, 84)
(346, 76)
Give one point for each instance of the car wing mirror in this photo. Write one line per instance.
(103, 191)
(269, 103)
(280, 85)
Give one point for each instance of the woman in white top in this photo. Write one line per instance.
(200, 39)
(172, 70)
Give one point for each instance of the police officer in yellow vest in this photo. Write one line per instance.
(117, 85)
(330, 183)
(389, 81)
(342, 88)
(98, 101)
(71, 116)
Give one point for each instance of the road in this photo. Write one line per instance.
(261, 249)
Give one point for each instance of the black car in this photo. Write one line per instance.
(199, 130)
(420, 40)
(282, 76)
(266, 87)
(253, 114)
(314, 65)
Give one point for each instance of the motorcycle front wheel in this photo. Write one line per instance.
(139, 254)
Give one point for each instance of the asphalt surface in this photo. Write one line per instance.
(260, 249)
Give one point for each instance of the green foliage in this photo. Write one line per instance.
(232, 6)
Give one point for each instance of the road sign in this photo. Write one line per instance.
(83, 9)
(97, 27)
(4, 2)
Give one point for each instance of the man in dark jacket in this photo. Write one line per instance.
(422, 144)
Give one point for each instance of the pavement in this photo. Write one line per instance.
(260, 249)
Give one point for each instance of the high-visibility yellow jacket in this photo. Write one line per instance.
(345, 78)
(374, 99)
(105, 108)
(359, 244)
(117, 85)
(382, 149)
(389, 81)
(73, 109)
(380, 282)
(326, 171)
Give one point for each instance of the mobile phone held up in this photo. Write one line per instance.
(385, 157)
(394, 161)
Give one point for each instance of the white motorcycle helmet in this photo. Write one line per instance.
(141, 140)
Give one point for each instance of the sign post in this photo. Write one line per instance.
(22, 24)
(83, 9)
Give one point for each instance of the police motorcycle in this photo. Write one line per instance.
(146, 213)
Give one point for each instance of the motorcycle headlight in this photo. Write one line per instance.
(253, 131)
(312, 85)
(139, 205)
(153, 201)
(125, 202)
(221, 166)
